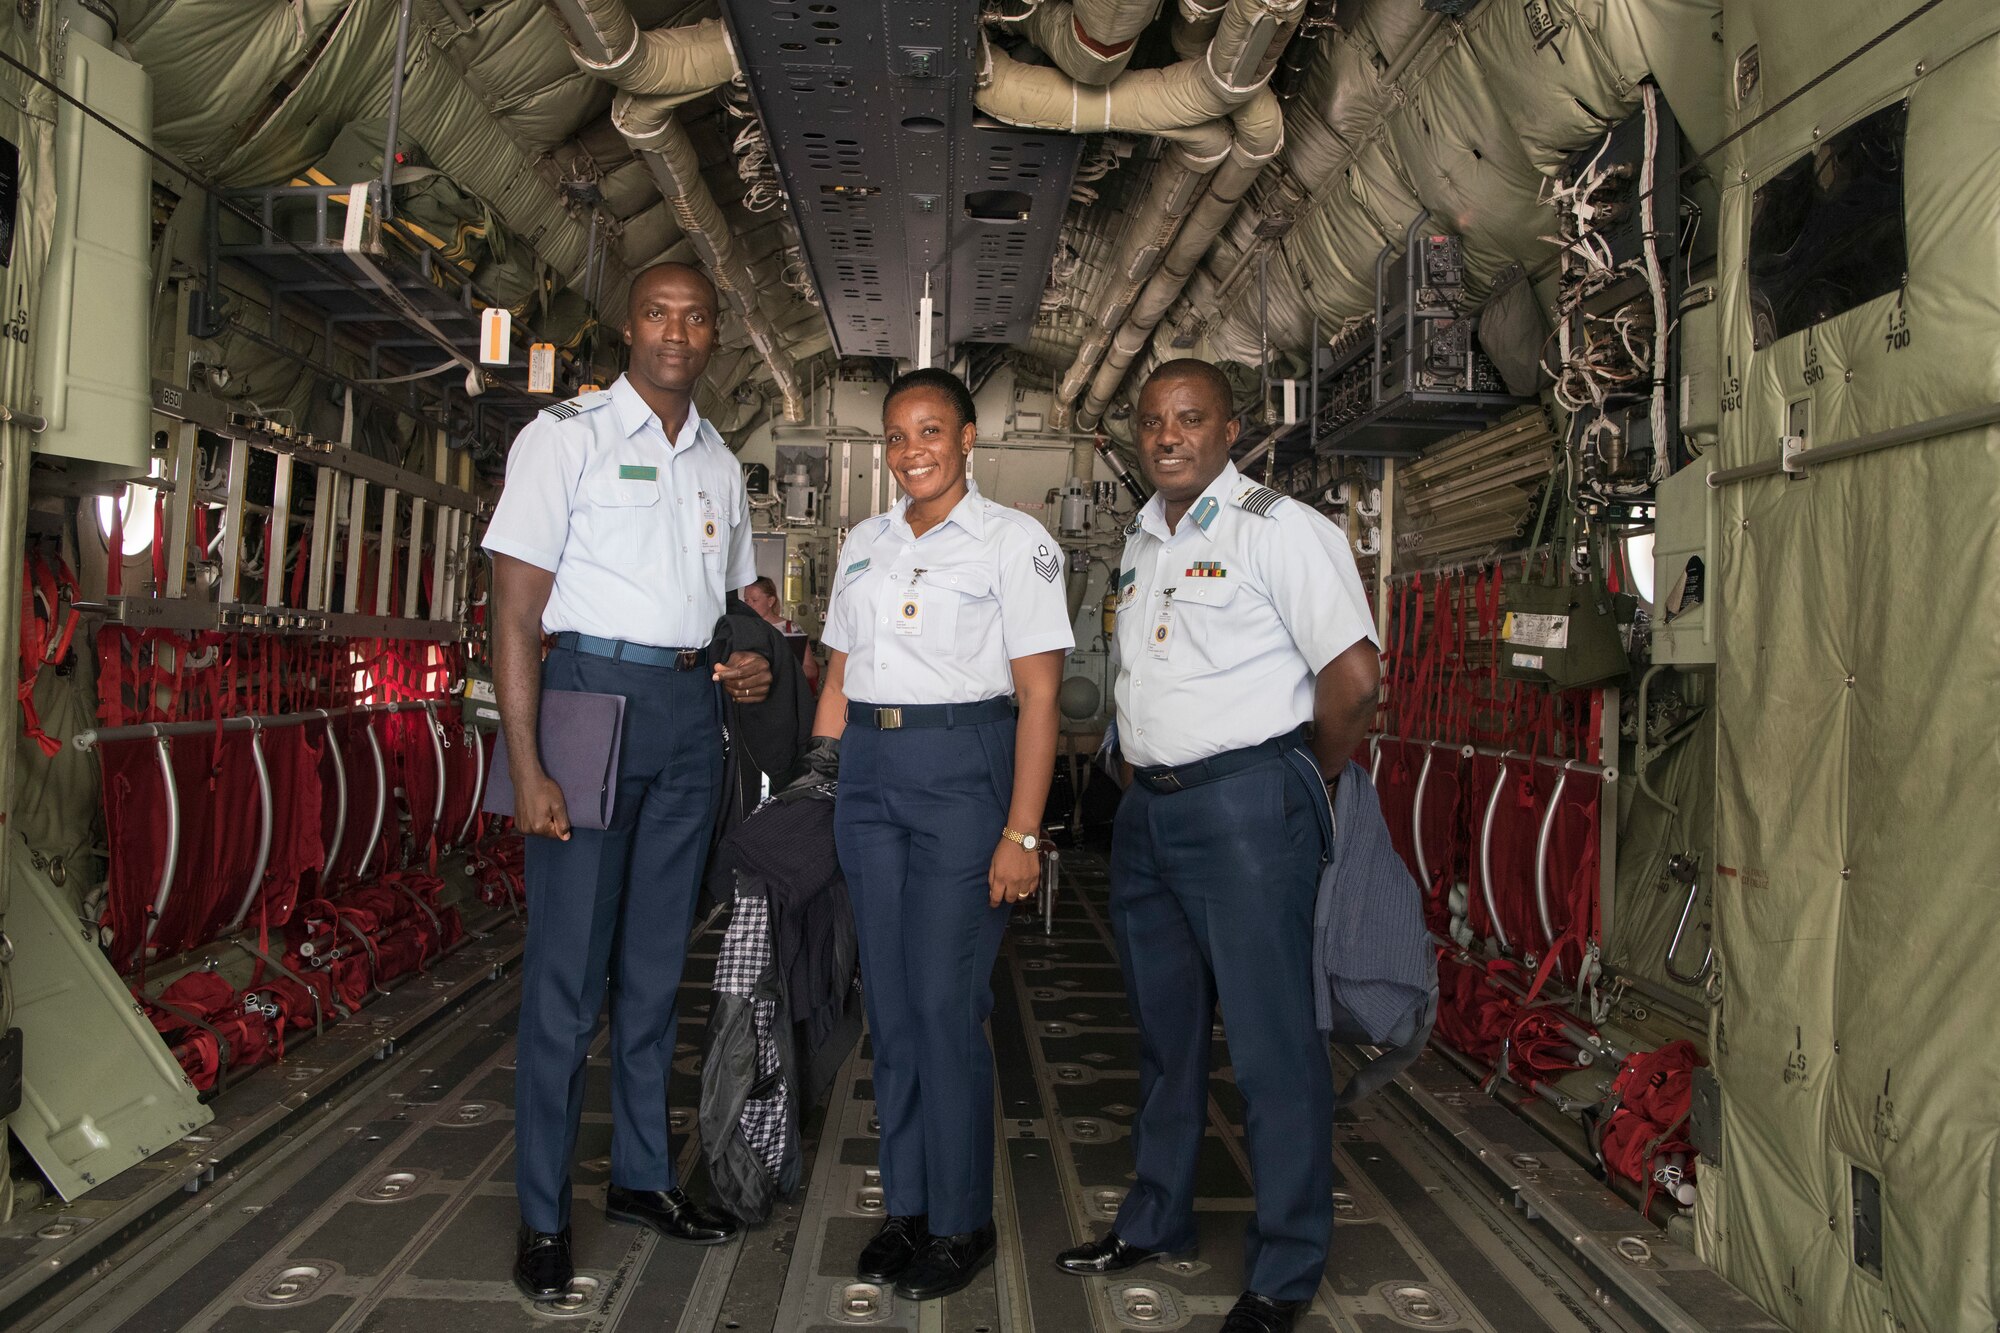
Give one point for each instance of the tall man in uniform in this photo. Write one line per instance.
(621, 527)
(1246, 668)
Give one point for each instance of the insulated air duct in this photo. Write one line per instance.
(1194, 26)
(679, 63)
(1187, 102)
(658, 70)
(1090, 40)
(1231, 69)
(1258, 129)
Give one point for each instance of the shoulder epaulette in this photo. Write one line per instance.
(583, 402)
(1258, 500)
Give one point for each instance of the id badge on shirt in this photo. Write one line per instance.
(1163, 628)
(908, 617)
(711, 526)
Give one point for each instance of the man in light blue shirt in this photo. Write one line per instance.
(620, 530)
(1246, 667)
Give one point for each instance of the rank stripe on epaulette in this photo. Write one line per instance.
(561, 411)
(1260, 500)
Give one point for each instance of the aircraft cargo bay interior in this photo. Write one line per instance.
(1000, 666)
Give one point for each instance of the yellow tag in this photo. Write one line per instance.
(589, 388)
(1507, 626)
(496, 336)
(542, 368)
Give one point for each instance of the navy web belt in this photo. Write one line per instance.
(1179, 777)
(928, 715)
(642, 654)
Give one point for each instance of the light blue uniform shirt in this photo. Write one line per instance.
(986, 585)
(1224, 624)
(645, 535)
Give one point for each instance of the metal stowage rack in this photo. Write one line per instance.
(358, 502)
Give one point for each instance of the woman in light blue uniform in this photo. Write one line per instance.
(942, 608)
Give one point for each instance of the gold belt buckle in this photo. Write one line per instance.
(888, 719)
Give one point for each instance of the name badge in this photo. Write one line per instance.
(1163, 628)
(711, 526)
(908, 617)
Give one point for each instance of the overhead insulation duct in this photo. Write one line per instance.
(657, 71)
(1090, 40)
(1147, 101)
(1187, 102)
(1194, 26)
(1258, 132)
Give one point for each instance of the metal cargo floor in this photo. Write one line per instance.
(389, 1205)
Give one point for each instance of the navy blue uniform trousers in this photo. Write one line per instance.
(614, 907)
(1212, 892)
(918, 815)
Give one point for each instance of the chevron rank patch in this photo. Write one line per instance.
(1047, 563)
(1258, 500)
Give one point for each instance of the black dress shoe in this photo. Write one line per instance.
(669, 1212)
(884, 1258)
(542, 1267)
(946, 1263)
(1261, 1314)
(1110, 1255)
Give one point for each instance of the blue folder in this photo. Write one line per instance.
(579, 736)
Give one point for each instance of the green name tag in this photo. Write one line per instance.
(635, 472)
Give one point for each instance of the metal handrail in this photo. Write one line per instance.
(1486, 854)
(173, 858)
(266, 817)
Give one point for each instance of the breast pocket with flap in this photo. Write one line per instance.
(957, 600)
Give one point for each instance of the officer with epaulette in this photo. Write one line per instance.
(1246, 668)
(620, 529)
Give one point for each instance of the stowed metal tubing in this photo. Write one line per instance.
(381, 799)
(1486, 852)
(143, 731)
(437, 751)
(478, 784)
(1542, 840)
(1417, 820)
(173, 858)
(332, 852)
(265, 817)
(1673, 945)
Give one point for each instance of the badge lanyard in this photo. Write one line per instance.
(909, 615)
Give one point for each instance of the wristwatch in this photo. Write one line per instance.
(1029, 842)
